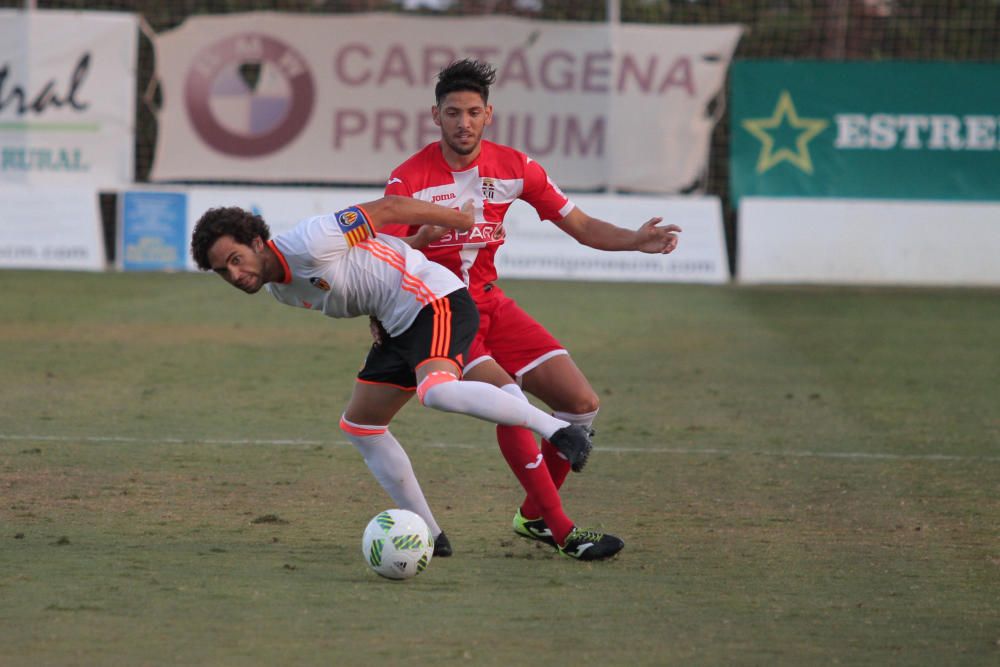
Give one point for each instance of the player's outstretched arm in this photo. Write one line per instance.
(651, 237)
(397, 210)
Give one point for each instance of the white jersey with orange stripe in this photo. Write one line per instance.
(337, 265)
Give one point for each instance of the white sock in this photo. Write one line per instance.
(492, 404)
(516, 391)
(390, 465)
(583, 419)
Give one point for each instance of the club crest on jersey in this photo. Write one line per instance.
(319, 283)
(354, 224)
(489, 188)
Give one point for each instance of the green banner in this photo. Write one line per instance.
(894, 130)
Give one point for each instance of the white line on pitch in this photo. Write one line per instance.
(878, 456)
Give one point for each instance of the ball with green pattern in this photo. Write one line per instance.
(397, 544)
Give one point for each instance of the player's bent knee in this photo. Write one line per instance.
(433, 379)
(581, 405)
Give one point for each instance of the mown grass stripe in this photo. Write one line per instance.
(625, 449)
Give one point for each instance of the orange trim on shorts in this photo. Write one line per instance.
(361, 431)
(441, 339)
(386, 384)
(433, 379)
(447, 340)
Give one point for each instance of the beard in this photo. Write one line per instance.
(253, 285)
(462, 149)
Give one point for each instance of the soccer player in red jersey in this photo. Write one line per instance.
(462, 165)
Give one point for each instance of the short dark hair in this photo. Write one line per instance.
(465, 75)
(215, 223)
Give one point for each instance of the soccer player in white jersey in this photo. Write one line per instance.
(340, 266)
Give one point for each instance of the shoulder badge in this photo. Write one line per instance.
(354, 224)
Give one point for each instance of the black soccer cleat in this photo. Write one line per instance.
(442, 547)
(590, 545)
(573, 442)
(533, 529)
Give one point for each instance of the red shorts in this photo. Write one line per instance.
(509, 335)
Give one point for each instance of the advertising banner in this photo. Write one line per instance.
(536, 249)
(156, 223)
(153, 231)
(869, 242)
(67, 97)
(281, 208)
(533, 249)
(895, 130)
(51, 227)
(282, 97)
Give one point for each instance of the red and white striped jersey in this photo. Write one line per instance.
(337, 265)
(498, 176)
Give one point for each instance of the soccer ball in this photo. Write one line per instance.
(397, 544)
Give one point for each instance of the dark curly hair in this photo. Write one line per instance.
(465, 75)
(215, 223)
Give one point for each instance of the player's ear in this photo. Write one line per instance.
(489, 114)
(436, 114)
(257, 244)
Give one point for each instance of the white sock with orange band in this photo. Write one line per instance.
(441, 390)
(390, 465)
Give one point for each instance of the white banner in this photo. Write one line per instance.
(533, 248)
(868, 242)
(67, 97)
(537, 249)
(281, 208)
(279, 97)
(50, 227)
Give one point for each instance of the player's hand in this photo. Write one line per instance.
(652, 238)
(428, 234)
(469, 211)
(375, 327)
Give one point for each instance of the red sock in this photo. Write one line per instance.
(558, 469)
(518, 446)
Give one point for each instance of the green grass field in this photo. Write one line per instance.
(802, 476)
